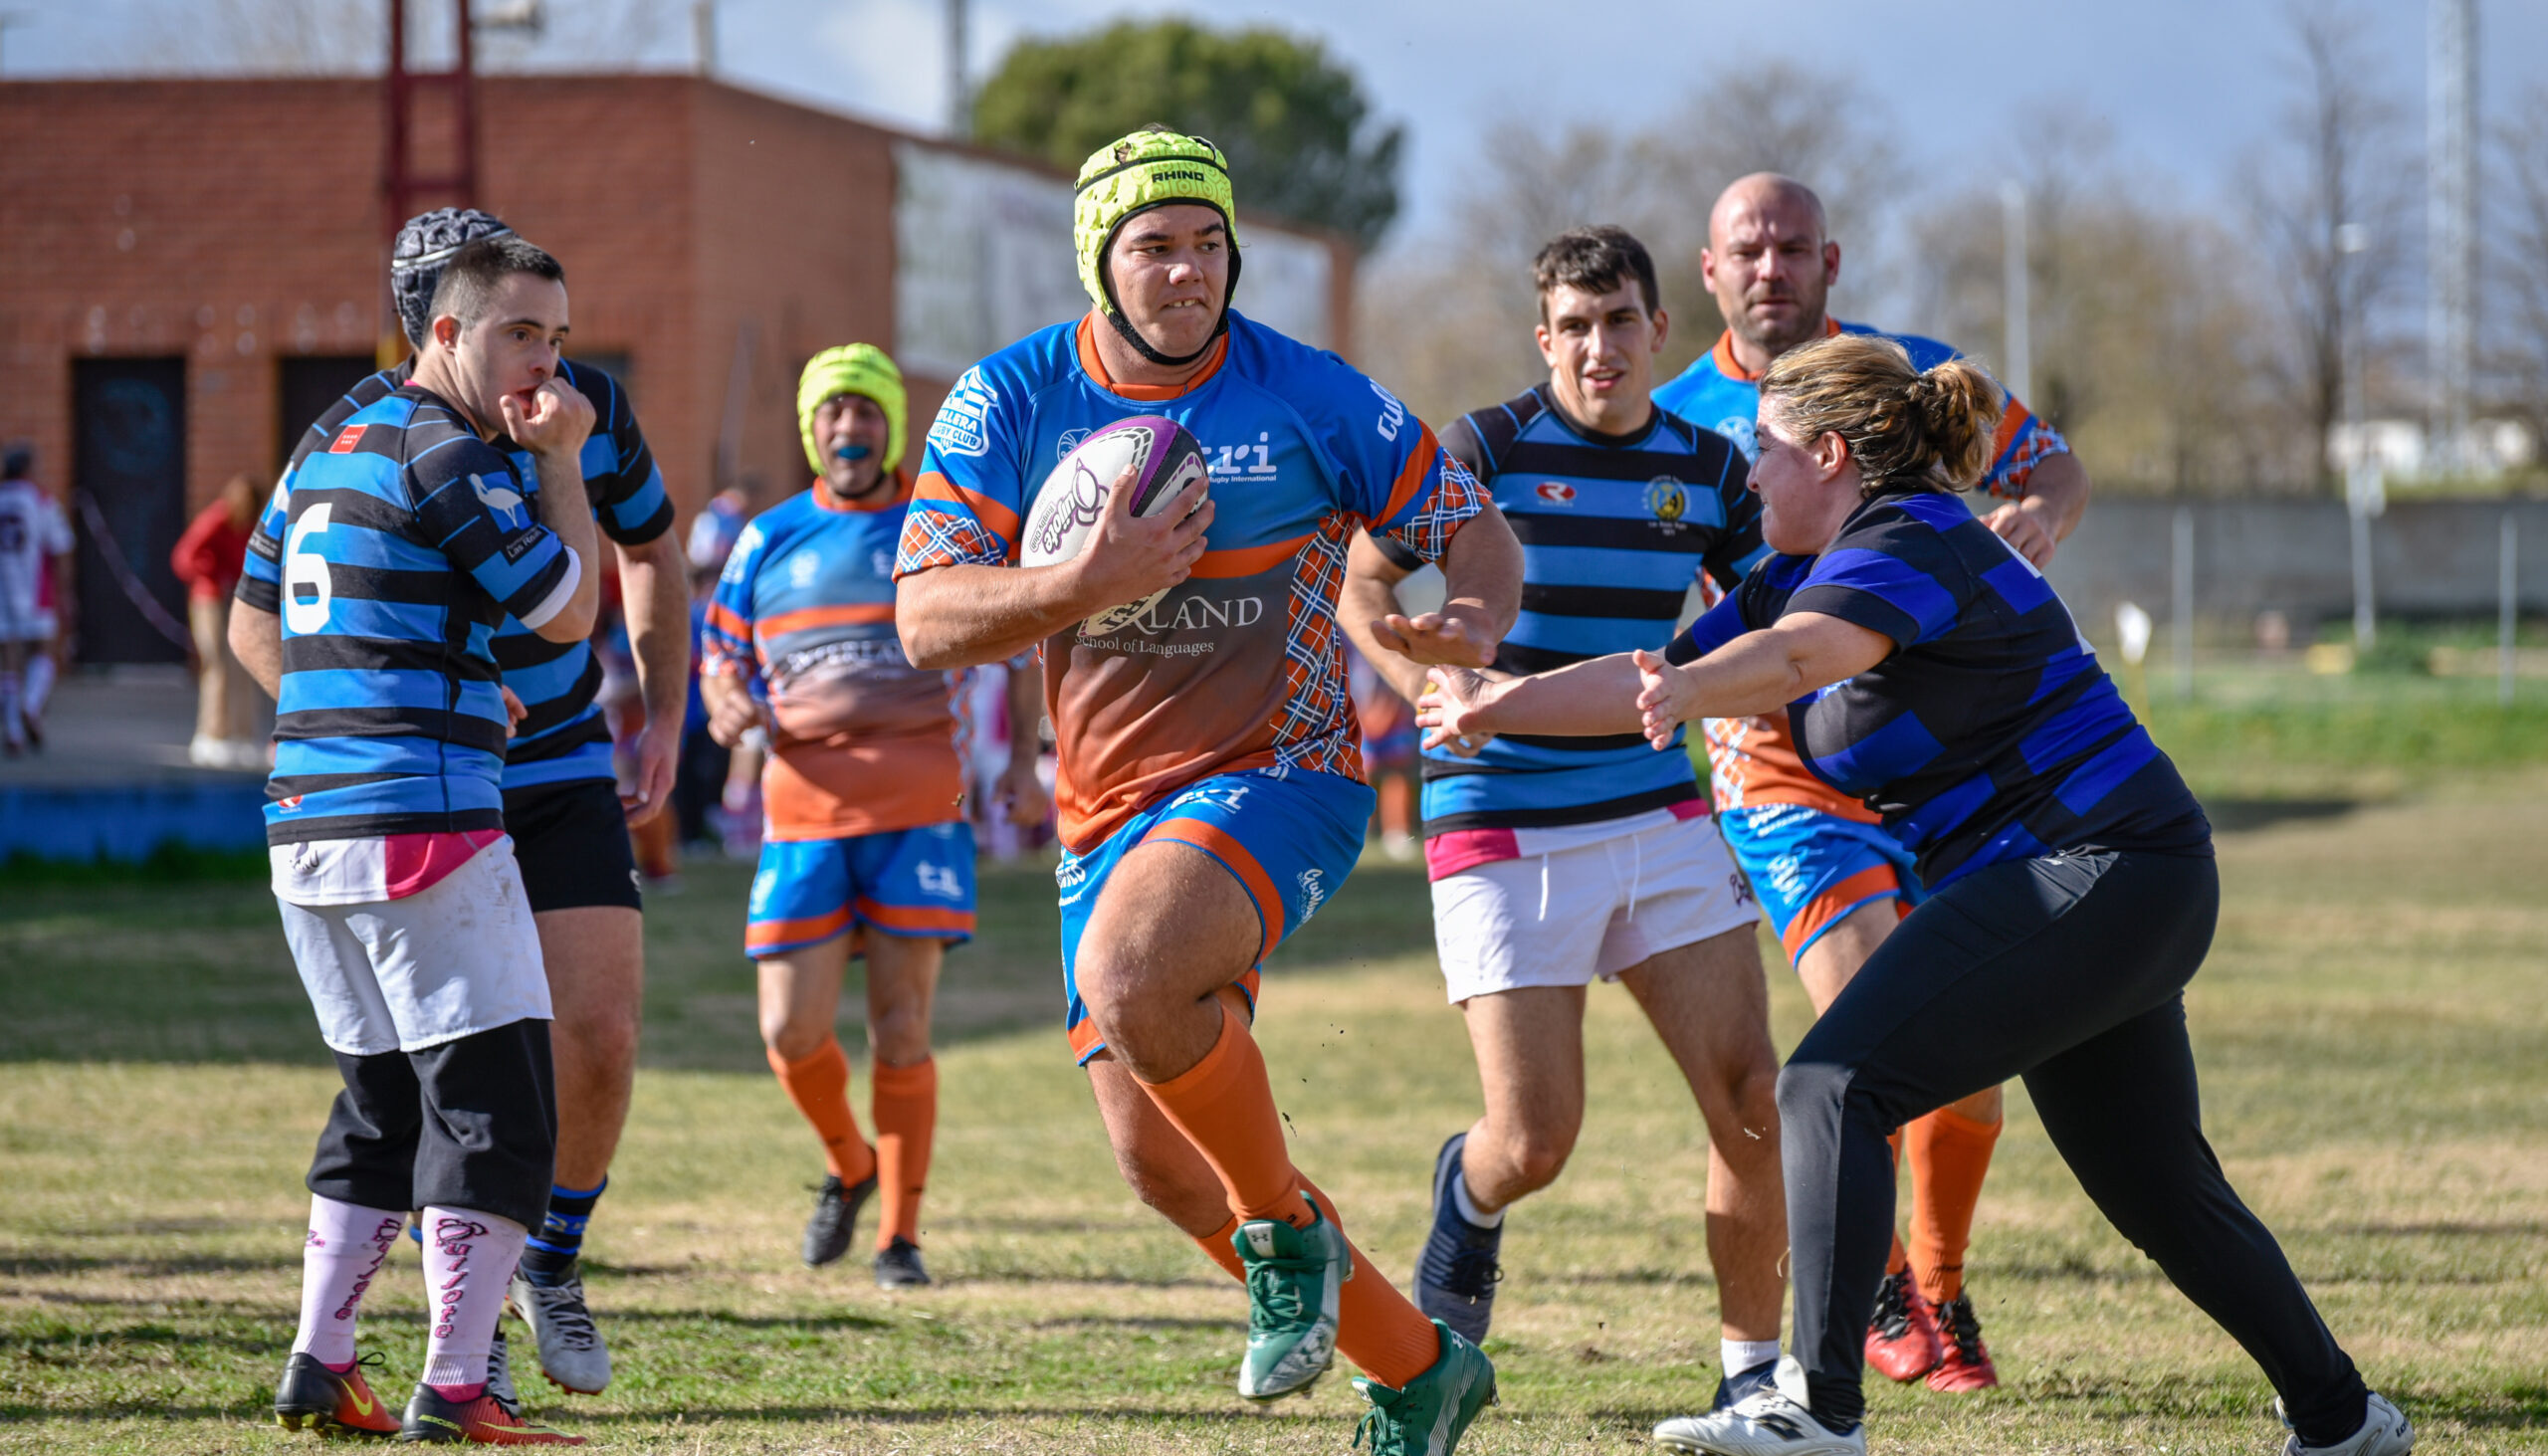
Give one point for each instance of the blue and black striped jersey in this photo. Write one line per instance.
(1990, 734)
(405, 542)
(1614, 530)
(564, 737)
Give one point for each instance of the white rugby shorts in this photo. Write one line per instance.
(456, 958)
(1563, 917)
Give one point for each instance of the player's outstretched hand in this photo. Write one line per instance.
(1130, 556)
(554, 420)
(2024, 531)
(1455, 700)
(1436, 639)
(1665, 698)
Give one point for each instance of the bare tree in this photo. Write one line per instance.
(2519, 262)
(2340, 167)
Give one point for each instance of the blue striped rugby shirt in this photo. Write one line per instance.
(1615, 530)
(406, 541)
(564, 739)
(1990, 734)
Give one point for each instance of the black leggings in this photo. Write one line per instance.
(468, 1123)
(2068, 970)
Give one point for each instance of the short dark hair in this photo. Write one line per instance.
(18, 462)
(1596, 259)
(470, 281)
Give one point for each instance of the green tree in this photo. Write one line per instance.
(1300, 136)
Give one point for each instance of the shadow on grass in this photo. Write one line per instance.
(2232, 816)
(933, 1414)
(22, 1266)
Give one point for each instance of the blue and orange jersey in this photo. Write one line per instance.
(1615, 532)
(1989, 734)
(1241, 665)
(563, 737)
(1752, 760)
(805, 614)
(407, 540)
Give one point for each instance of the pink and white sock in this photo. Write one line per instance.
(344, 1251)
(469, 1262)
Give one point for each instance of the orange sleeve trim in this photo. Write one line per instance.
(2014, 417)
(855, 614)
(1249, 561)
(1411, 476)
(1839, 901)
(912, 919)
(1252, 875)
(723, 618)
(765, 935)
(996, 519)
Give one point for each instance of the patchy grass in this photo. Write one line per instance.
(2372, 1033)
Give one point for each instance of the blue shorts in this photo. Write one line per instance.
(902, 881)
(1289, 838)
(1811, 869)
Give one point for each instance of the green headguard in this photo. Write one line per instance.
(853, 368)
(1151, 167)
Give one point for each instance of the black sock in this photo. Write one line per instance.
(1837, 1405)
(549, 1256)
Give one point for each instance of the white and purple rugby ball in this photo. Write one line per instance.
(1164, 457)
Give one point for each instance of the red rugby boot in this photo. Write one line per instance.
(1965, 1364)
(313, 1397)
(483, 1421)
(1903, 1339)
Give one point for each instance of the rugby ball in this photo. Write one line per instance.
(1164, 459)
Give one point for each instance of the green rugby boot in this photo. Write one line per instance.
(1294, 1279)
(1429, 1416)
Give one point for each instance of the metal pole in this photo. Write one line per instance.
(2507, 557)
(2451, 221)
(2364, 624)
(2181, 592)
(702, 36)
(2013, 266)
(959, 97)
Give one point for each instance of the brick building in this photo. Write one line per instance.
(190, 269)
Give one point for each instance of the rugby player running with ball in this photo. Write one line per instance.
(1211, 791)
(1832, 880)
(1558, 860)
(567, 818)
(1926, 668)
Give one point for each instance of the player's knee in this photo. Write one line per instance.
(1811, 1090)
(1169, 1187)
(792, 1037)
(898, 1031)
(1536, 1155)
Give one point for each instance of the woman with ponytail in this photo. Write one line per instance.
(1929, 670)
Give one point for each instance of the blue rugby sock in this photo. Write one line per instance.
(549, 1256)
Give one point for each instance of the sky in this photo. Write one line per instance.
(2189, 88)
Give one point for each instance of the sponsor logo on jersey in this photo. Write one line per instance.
(1255, 462)
(1555, 492)
(803, 566)
(290, 806)
(1667, 498)
(520, 543)
(347, 439)
(1392, 413)
(1226, 797)
(962, 425)
(1195, 613)
(941, 881)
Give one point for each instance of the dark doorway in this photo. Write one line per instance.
(128, 471)
(311, 385)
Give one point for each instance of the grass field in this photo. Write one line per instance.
(2372, 1033)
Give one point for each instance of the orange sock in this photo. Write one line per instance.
(1376, 1328)
(1224, 1106)
(906, 1119)
(818, 1084)
(1950, 1157)
(1896, 1261)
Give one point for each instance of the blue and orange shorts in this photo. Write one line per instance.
(902, 881)
(1287, 837)
(1811, 869)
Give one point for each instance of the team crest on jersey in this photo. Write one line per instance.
(962, 425)
(1557, 493)
(801, 568)
(1668, 499)
(1069, 441)
(503, 500)
(290, 806)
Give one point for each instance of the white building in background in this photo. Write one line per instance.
(2401, 447)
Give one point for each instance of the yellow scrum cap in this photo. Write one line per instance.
(853, 368)
(1148, 168)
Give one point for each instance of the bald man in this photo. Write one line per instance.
(1832, 881)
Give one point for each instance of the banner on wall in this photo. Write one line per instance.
(982, 257)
